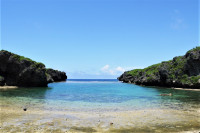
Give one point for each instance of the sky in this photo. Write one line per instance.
(99, 38)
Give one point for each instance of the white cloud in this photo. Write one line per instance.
(120, 69)
(106, 72)
(115, 70)
(105, 68)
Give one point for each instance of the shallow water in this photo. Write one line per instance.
(108, 94)
(102, 97)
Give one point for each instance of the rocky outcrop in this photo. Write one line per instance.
(2, 81)
(55, 75)
(17, 70)
(182, 71)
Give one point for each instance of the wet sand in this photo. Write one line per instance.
(15, 119)
(8, 87)
(188, 89)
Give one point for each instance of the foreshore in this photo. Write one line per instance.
(152, 120)
(187, 89)
(8, 87)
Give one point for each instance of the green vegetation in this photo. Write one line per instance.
(22, 58)
(135, 72)
(148, 72)
(152, 70)
(38, 64)
(194, 49)
(185, 79)
(1, 77)
(174, 70)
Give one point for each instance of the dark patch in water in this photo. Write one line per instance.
(84, 129)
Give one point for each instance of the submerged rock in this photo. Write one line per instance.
(170, 94)
(20, 71)
(181, 71)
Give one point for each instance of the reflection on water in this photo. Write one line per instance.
(33, 92)
(24, 97)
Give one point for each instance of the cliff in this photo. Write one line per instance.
(17, 70)
(181, 71)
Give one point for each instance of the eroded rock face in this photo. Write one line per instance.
(192, 66)
(20, 71)
(182, 71)
(2, 81)
(56, 75)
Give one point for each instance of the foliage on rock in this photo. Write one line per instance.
(21, 71)
(181, 71)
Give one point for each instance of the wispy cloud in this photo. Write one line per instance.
(178, 21)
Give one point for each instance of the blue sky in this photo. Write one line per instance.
(99, 38)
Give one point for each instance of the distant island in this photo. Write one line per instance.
(181, 71)
(16, 70)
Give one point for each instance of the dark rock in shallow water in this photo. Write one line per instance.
(182, 71)
(20, 71)
(56, 75)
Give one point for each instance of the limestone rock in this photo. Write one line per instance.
(181, 71)
(20, 71)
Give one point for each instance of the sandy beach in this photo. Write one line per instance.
(41, 121)
(8, 87)
(187, 89)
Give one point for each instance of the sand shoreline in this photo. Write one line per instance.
(187, 89)
(147, 120)
(8, 87)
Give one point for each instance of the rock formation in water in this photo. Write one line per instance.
(17, 70)
(181, 71)
(55, 75)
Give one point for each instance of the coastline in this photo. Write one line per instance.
(58, 116)
(161, 120)
(187, 89)
(8, 87)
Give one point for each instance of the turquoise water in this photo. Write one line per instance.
(103, 95)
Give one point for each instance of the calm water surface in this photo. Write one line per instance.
(99, 95)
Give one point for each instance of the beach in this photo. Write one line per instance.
(8, 87)
(88, 106)
(17, 120)
(187, 89)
